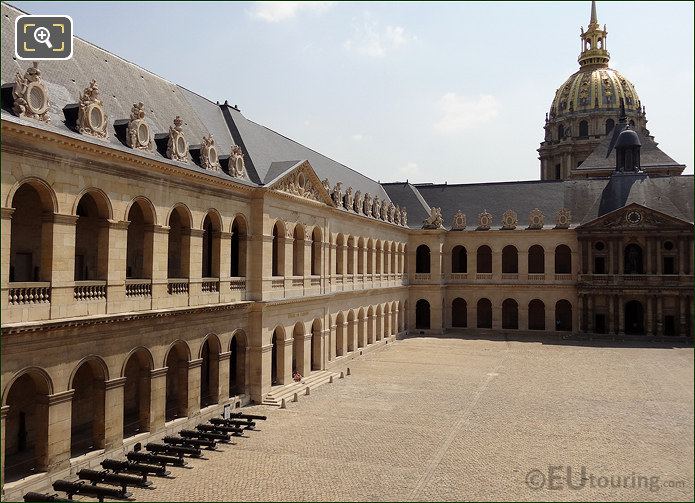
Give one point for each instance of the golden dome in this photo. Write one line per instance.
(594, 89)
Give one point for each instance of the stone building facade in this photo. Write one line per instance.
(163, 256)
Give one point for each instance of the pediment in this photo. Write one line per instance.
(635, 217)
(300, 180)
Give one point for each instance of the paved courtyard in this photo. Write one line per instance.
(451, 419)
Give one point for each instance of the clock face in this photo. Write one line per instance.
(634, 217)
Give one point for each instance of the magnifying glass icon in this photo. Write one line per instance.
(43, 36)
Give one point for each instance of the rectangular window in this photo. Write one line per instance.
(599, 265)
(669, 265)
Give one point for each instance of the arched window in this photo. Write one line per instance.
(136, 394)
(88, 409)
(610, 124)
(484, 313)
(298, 349)
(459, 313)
(536, 260)
(459, 260)
(633, 259)
(316, 247)
(536, 315)
(210, 372)
(140, 240)
(484, 259)
(379, 256)
(238, 267)
(177, 382)
(277, 359)
(583, 129)
(422, 314)
(278, 268)
(563, 316)
(298, 251)
(339, 252)
(510, 314)
(92, 237)
(360, 256)
(179, 240)
(315, 357)
(211, 246)
(26, 426)
(237, 364)
(351, 255)
(563, 260)
(340, 342)
(422, 259)
(370, 256)
(510, 260)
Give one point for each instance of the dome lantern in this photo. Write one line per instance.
(593, 52)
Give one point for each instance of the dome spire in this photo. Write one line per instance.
(594, 53)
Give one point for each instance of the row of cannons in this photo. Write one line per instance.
(118, 475)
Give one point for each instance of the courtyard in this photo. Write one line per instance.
(454, 419)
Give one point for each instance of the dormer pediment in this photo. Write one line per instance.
(634, 217)
(300, 180)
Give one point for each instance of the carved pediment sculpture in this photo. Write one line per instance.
(177, 146)
(326, 185)
(367, 205)
(358, 202)
(376, 207)
(91, 117)
(435, 220)
(30, 95)
(563, 218)
(391, 212)
(397, 215)
(337, 195)
(208, 154)
(404, 217)
(509, 220)
(349, 199)
(237, 165)
(484, 221)
(459, 221)
(536, 219)
(138, 132)
(384, 210)
(298, 183)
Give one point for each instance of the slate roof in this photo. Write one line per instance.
(122, 83)
(651, 156)
(405, 194)
(587, 199)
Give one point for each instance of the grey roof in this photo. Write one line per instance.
(651, 156)
(586, 199)
(266, 148)
(405, 194)
(123, 83)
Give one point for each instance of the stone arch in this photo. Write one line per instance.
(536, 315)
(298, 251)
(370, 328)
(483, 261)
(484, 313)
(87, 420)
(510, 260)
(370, 256)
(378, 333)
(147, 207)
(360, 335)
(211, 244)
(238, 243)
(298, 345)
(459, 259)
(510, 314)
(100, 197)
(49, 200)
(422, 314)
(209, 353)
(140, 238)
(563, 315)
(316, 344)
(278, 251)
(563, 259)
(340, 334)
(277, 361)
(180, 221)
(136, 392)
(422, 259)
(360, 255)
(459, 313)
(536, 259)
(316, 251)
(177, 360)
(25, 435)
(238, 345)
(339, 252)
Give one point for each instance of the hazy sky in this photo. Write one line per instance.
(436, 92)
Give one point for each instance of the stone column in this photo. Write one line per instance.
(344, 341)
(58, 257)
(621, 315)
(659, 315)
(6, 234)
(620, 256)
(288, 247)
(648, 256)
(196, 265)
(113, 412)
(436, 265)
(325, 343)
(194, 370)
(682, 243)
(59, 407)
(288, 355)
(659, 257)
(682, 306)
(160, 262)
(308, 243)
(158, 398)
(260, 370)
(523, 264)
(611, 314)
(371, 329)
(590, 313)
(585, 258)
(582, 312)
(223, 373)
(650, 315)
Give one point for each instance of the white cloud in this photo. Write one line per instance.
(358, 137)
(274, 12)
(459, 113)
(370, 40)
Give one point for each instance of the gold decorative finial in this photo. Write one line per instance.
(594, 53)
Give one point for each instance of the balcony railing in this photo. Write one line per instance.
(90, 290)
(564, 277)
(236, 284)
(483, 276)
(277, 284)
(508, 276)
(138, 288)
(422, 276)
(37, 292)
(536, 277)
(177, 286)
(210, 285)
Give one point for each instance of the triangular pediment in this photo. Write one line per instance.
(300, 180)
(635, 216)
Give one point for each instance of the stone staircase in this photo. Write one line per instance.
(287, 391)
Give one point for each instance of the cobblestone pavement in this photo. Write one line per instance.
(451, 419)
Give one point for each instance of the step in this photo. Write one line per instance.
(314, 380)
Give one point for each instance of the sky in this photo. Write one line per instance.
(424, 91)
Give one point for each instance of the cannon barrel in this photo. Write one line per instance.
(170, 449)
(82, 488)
(223, 437)
(32, 496)
(248, 416)
(128, 466)
(189, 442)
(232, 430)
(146, 457)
